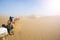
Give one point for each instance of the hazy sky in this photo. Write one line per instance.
(29, 7)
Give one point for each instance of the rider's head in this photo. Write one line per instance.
(3, 25)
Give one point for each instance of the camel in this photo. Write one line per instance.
(12, 24)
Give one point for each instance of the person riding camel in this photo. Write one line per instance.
(10, 25)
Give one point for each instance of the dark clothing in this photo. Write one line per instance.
(9, 28)
(11, 19)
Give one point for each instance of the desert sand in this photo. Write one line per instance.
(42, 28)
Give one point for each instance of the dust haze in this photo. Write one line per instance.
(35, 28)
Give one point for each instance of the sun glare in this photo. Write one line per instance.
(54, 4)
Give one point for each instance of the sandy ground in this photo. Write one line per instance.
(43, 28)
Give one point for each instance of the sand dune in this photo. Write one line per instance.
(43, 28)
